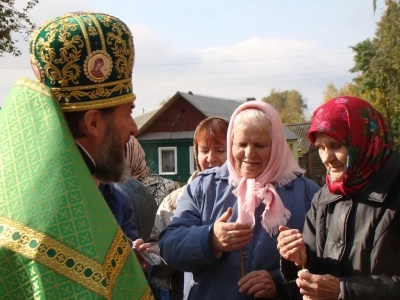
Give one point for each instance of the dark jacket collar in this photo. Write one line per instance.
(377, 187)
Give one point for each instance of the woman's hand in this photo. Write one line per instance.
(139, 246)
(258, 283)
(318, 287)
(291, 246)
(229, 236)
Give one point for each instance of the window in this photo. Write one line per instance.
(192, 163)
(167, 160)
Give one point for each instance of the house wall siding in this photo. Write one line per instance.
(318, 171)
(293, 148)
(180, 116)
(150, 147)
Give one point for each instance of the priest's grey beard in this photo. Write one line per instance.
(111, 164)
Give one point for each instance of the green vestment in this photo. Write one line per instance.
(58, 238)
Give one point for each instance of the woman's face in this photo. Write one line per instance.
(333, 154)
(251, 149)
(211, 154)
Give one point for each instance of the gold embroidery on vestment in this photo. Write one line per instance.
(35, 245)
(53, 254)
(116, 257)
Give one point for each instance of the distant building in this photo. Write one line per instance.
(308, 155)
(166, 133)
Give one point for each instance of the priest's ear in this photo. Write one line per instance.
(90, 123)
(93, 123)
(84, 123)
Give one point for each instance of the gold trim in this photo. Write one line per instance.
(97, 104)
(66, 261)
(148, 295)
(114, 261)
(95, 94)
(34, 85)
(100, 31)
(91, 86)
(53, 254)
(85, 34)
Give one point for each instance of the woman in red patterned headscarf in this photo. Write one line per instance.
(352, 231)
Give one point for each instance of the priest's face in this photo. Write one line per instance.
(111, 163)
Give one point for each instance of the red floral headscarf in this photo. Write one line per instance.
(362, 129)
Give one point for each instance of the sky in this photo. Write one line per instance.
(228, 49)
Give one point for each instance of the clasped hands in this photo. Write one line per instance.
(312, 286)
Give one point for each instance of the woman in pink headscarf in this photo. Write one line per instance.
(225, 227)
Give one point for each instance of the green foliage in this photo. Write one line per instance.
(377, 64)
(347, 89)
(289, 104)
(365, 51)
(12, 21)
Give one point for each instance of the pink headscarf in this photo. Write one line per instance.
(281, 169)
(136, 158)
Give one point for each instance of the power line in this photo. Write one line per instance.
(241, 60)
(256, 74)
(258, 77)
(217, 61)
(230, 72)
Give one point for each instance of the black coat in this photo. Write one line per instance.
(144, 205)
(357, 238)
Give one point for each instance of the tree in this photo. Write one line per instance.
(386, 67)
(289, 104)
(365, 51)
(377, 63)
(12, 21)
(331, 91)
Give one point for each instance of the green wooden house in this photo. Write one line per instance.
(166, 134)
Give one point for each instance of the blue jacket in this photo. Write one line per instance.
(122, 209)
(185, 242)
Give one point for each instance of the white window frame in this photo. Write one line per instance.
(160, 167)
(192, 163)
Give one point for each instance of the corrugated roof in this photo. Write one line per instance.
(301, 130)
(212, 106)
(209, 106)
(289, 134)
